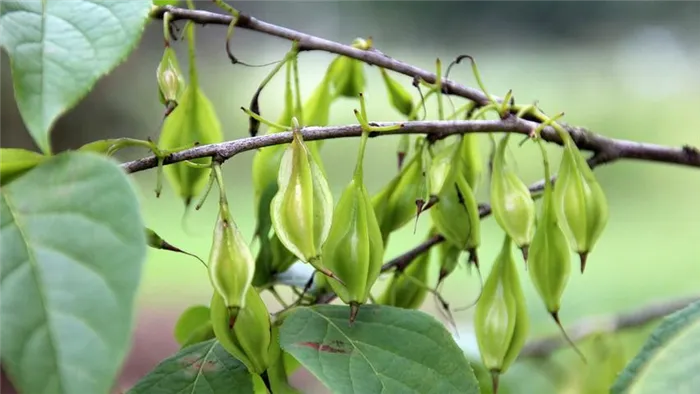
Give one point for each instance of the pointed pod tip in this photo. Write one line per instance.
(583, 257)
(474, 257)
(354, 310)
(525, 249)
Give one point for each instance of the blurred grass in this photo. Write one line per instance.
(648, 250)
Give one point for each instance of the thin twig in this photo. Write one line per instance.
(587, 327)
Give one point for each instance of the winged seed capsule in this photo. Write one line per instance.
(580, 202)
(302, 209)
(354, 249)
(501, 321)
(511, 202)
(249, 339)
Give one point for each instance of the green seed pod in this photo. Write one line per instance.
(348, 77)
(442, 172)
(501, 321)
(408, 289)
(354, 250)
(156, 242)
(472, 165)
(348, 74)
(549, 260)
(402, 149)
(581, 205)
(511, 202)
(399, 97)
(282, 258)
(316, 109)
(456, 217)
(249, 339)
(302, 209)
(395, 204)
(171, 83)
(193, 120)
(231, 264)
(448, 256)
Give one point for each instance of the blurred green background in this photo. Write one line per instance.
(623, 69)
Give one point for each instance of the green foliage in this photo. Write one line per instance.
(71, 266)
(59, 50)
(73, 240)
(201, 368)
(669, 360)
(387, 349)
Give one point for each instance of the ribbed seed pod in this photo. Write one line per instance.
(171, 83)
(354, 250)
(302, 208)
(395, 204)
(399, 97)
(249, 339)
(348, 74)
(231, 264)
(472, 164)
(581, 205)
(511, 202)
(408, 288)
(501, 321)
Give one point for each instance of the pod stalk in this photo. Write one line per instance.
(555, 316)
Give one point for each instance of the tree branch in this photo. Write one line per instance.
(607, 149)
(585, 328)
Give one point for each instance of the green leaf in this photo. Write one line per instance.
(202, 368)
(387, 350)
(669, 360)
(15, 162)
(59, 49)
(72, 247)
(190, 320)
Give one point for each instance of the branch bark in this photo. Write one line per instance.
(607, 149)
(585, 328)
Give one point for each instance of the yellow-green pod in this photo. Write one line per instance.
(248, 337)
(171, 83)
(399, 97)
(193, 120)
(348, 77)
(354, 249)
(302, 209)
(316, 109)
(472, 164)
(282, 258)
(448, 257)
(511, 202)
(549, 260)
(501, 321)
(408, 289)
(581, 205)
(442, 172)
(231, 263)
(456, 217)
(395, 204)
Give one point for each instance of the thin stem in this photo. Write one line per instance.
(263, 120)
(299, 110)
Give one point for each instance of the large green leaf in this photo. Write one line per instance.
(205, 367)
(72, 247)
(59, 49)
(669, 361)
(387, 350)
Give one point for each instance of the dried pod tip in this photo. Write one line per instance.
(495, 375)
(474, 257)
(232, 316)
(354, 310)
(525, 249)
(584, 257)
(401, 156)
